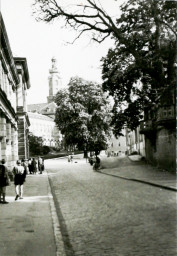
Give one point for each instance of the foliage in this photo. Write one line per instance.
(35, 144)
(45, 150)
(138, 75)
(83, 114)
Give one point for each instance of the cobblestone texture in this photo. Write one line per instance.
(102, 215)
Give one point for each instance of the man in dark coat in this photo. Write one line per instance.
(4, 181)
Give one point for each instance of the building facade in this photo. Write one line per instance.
(159, 129)
(44, 126)
(23, 119)
(117, 146)
(155, 138)
(135, 142)
(10, 84)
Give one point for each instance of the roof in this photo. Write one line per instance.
(5, 45)
(40, 116)
(36, 107)
(23, 63)
(48, 105)
(43, 108)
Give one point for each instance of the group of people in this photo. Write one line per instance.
(35, 165)
(18, 175)
(97, 163)
(95, 160)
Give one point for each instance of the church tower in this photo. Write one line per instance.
(54, 81)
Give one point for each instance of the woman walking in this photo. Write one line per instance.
(19, 178)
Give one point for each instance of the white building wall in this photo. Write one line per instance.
(42, 126)
(118, 145)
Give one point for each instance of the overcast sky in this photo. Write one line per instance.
(39, 42)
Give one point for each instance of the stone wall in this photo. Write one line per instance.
(161, 149)
(166, 149)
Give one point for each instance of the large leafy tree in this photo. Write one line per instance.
(83, 114)
(139, 82)
(141, 66)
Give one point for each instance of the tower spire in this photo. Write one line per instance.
(54, 68)
(54, 81)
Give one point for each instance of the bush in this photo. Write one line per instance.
(45, 150)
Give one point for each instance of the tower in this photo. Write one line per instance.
(54, 81)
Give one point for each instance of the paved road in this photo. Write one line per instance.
(101, 215)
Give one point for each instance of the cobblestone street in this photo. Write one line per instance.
(104, 215)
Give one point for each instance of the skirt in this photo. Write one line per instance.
(19, 179)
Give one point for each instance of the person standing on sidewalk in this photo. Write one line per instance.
(24, 162)
(19, 172)
(34, 166)
(72, 156)
(43, 167)
(30, 166)
(40, 164)
(96, 165)
(4, 181)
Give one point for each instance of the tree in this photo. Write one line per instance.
(89, 15)
(85, 16)
(83, 114)
(141, 66)
(136, 83)
(45, 149)
(35, 144)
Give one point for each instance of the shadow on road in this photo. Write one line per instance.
(64, 232)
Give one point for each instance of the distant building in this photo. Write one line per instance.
(42, 115)
(44, 126)
(14, 82)
(117, 146)
(135, 142)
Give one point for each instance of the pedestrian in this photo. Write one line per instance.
(34, 165)
(69, 158)
(19, 172)
(97, 163)
(4, 181)
(43, 167)
(40, 164)
(30, 166)
(24, 162)
(72, 156)
(86, 155)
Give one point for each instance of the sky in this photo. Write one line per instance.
(39, 42)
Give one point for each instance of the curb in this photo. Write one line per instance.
(143, 181)
(60, 251)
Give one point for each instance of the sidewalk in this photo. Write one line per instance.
(133, 168)
(26, 225)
